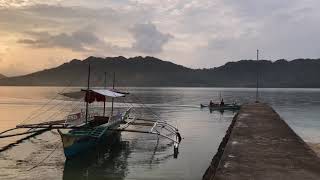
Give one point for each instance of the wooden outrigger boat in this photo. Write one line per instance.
(83, 130)
(95, 128)
(218, 107)
(221, 106)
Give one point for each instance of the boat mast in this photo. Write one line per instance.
(105, 87)
(257, 88)
(88, 94)
(114, 79)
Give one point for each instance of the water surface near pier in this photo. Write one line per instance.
(140, 156)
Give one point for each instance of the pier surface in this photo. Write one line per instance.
(261, 146)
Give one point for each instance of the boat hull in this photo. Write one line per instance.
(221, 108)
(74, 145)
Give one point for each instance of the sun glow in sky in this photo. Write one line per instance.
(38, 34)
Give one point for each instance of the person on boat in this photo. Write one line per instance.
(211, 103)
(222, 102)
(179, 137)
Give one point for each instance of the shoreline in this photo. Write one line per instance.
(315, 147)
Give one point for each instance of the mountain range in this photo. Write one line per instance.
(150, 71)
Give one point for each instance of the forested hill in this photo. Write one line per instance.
(150, 71)
(136, 71)
(299, 73)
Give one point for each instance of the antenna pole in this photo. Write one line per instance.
(105, 87)
(88, 94)
(257, 88)
(114, 79)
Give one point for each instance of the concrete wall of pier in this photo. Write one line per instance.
(259, 145)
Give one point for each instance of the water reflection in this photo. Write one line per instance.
(108, 160)
(139, 156)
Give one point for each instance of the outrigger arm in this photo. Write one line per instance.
(153, 130)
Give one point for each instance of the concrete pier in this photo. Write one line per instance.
(259, 145)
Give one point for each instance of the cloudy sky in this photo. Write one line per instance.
(38, 34)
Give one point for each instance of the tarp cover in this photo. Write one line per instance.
(109, 93)
(100, 95)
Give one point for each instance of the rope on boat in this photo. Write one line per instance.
(157, 116)
(175, 129)
(141, 104)
(34, 129)
(60, 111)
(38, 111)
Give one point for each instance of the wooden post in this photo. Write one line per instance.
(257, 88)
(88, 93)
(105, 87)
(114, 78)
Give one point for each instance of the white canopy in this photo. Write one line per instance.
(109, 93)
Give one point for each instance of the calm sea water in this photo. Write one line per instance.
(139, 156)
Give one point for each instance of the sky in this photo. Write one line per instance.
(40, 34)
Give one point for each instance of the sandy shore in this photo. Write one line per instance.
(315, 147)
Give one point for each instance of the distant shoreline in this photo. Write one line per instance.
(171, 87)
(315, 147)
(152, 72)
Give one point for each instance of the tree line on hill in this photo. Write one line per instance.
(153, 72)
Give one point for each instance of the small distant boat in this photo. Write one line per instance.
(218, 107)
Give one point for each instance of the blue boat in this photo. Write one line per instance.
(86, 132)
(84, 137)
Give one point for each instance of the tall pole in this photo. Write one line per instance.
(105, 87)
(257, 88)
(113, 82)
(88, 94)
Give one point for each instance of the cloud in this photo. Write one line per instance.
(64, 19)
(148, 39)
(50, 26)
(206, 33)
(280, 29)
(76, 41)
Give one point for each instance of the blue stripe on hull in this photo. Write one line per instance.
(83, 143)
(79, 147)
